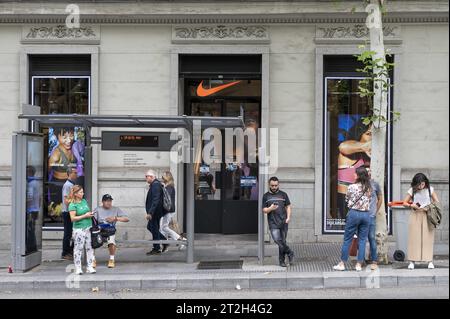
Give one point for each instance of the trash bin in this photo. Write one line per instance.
(400, 215)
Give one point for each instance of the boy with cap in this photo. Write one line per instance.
(109, 214)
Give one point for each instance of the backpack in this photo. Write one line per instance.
(167, 201)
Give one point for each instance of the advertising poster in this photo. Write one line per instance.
(354, 142)
(66, 146)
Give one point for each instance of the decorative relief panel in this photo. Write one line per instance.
(61, 34)
(220, 33)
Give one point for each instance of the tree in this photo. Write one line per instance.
(375, 87)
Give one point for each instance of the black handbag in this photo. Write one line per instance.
(96, 236)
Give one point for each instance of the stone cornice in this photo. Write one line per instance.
(297, 18)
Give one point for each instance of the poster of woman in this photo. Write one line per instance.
(66, 149)
(355, 145)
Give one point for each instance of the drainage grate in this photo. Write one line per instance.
(220, 264)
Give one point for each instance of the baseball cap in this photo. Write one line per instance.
(106, 197)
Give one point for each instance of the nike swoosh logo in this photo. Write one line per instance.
(201, 91)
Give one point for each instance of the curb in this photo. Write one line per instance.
(229, 281)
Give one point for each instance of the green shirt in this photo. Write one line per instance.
(81, 208)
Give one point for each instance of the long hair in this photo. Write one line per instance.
(74, 190)
(363, 178)
(168, 179)
(418, 179)
(357, 130)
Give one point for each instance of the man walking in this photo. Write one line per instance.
(277, 206)
(154, 209)
(109, 215)
(67, 249)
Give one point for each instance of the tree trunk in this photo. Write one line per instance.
(378, 153)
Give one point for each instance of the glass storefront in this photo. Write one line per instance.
(227, 190)
(348, 146)
(64, 147)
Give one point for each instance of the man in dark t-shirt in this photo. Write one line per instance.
(277, 206)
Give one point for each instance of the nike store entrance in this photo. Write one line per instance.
(226, 194)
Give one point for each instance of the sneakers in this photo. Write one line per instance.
(91, 270)
(153, 252)
(282, 263)
(430, 265)
(358, 267)
(111, 263)
(373, 266)
(78, 271)
(165, 248)
(339, 267)
(181, 238)
(411, 266)
(291, 257)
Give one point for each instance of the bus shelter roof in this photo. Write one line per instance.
(134, 121)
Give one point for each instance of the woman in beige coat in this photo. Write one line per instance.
(420, 233)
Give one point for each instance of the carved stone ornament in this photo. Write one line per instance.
(353, 33)
(220, 33)
(61, 33)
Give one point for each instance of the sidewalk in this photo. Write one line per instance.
(134, 270)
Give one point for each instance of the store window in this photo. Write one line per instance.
(61, 85)
(347, 145)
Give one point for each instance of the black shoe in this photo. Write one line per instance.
(291, 257)
(153, 252)
(165, 248)
(282, 263)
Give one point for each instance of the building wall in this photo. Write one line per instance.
(9, 101)
(134, 78)
(424, 103)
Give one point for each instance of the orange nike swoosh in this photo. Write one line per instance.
(201, 91)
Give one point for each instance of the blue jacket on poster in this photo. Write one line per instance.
(154, 201)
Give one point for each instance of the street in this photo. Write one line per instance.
(436, 292)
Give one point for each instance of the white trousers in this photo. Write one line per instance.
(82, 240)
(164, 228)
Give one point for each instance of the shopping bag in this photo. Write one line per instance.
(354, 247)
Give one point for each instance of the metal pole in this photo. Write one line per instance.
(88, 167)
(189, 193)
(190, 211)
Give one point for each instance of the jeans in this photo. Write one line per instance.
(279, 235)
(372, 240)
(357, 222)
(164, 226)
(153, 227)
(67, 245)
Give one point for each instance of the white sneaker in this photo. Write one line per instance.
(430, 265)
(78, 271)
(91, 270)
(411, 266)
(358, 267)
(339, 267)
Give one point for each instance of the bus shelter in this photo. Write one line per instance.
(28, 152)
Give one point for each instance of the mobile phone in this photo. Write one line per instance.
(417, 204)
